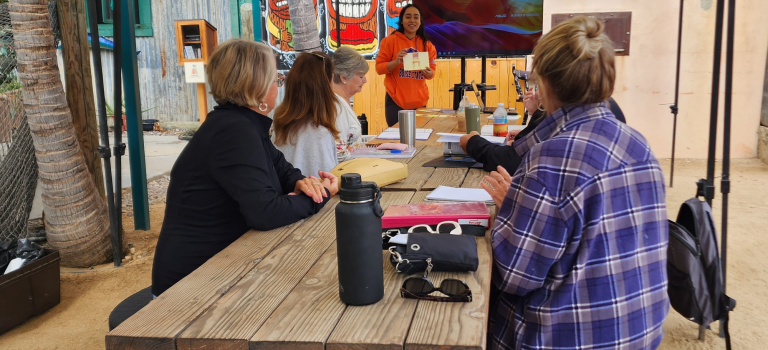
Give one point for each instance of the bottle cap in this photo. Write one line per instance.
(352, 188)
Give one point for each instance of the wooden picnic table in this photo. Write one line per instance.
(279, 289)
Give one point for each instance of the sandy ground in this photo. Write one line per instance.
(88, 296)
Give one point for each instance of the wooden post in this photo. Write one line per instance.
(246, 13)
(202, 101)
(79, 85)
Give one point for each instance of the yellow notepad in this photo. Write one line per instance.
(416, 61)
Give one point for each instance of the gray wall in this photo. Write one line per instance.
(161, 78)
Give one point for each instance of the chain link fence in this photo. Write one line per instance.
(18, 167)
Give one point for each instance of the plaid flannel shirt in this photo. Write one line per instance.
(580, 241)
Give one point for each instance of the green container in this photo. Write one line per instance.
(472, 116)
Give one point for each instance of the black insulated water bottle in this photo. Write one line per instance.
(358, 241)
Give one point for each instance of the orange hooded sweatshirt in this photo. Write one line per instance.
(407, 88)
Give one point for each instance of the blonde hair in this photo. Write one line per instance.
(347, 62)
(240, 72)
(576, 59)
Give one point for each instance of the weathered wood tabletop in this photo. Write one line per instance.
(279, 289)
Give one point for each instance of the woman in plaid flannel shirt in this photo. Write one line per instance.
(580, 240)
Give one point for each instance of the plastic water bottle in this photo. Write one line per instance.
(462, 106)
(500, 121)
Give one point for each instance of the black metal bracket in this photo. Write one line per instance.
(120, 149)
(673, 108)
(104, 152)
(725, 186)
(704, 190)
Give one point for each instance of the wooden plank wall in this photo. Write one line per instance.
(499, 72)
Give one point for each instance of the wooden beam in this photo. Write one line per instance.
(456, 326)
(234, 319)
(380, 326)
(79, 84)
(310, 312)
(157, 325)
(417, 174)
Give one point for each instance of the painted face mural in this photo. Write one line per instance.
(279, 26)
(393, 13)
(358, 24)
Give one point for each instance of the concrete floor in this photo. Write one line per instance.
(160, 152)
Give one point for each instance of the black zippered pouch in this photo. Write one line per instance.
(448, 253)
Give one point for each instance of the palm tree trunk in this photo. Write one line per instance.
(76, 218)
(304, 20)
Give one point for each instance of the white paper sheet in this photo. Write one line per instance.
(394, 134)
(416, 61)
(456, 194)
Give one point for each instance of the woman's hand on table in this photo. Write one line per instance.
(330, 182)
(497, 185)
(465, 139)
(312, 187)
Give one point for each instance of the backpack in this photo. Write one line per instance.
(696, 288)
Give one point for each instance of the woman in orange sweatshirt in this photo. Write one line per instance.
(405, 89)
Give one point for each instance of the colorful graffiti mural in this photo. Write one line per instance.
(361, 25)
(279, 31)
(393, 13)
(358, 24)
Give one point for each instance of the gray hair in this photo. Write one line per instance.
(347, 62)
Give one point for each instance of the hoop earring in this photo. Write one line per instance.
(263, 107)
(540, 105)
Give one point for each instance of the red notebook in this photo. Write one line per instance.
(465, 213)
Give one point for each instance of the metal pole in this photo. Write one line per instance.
(674, 107)
(134, 123)
(709, 188)
(482, 80)
(103, 133)
(725, 182)
(256, 19)
(119, 146)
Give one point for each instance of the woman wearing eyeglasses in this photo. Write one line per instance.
(305, 122)
(349, 69)
(230, 178)
(580, 239)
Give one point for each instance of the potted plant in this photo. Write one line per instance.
(111, 112)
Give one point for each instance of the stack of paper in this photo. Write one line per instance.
(448, 137)
(455, 194)
(394, 134)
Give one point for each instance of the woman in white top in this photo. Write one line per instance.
(304, 128)
(348, 79)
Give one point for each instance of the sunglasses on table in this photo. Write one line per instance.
(426, 228)
(421, 288)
